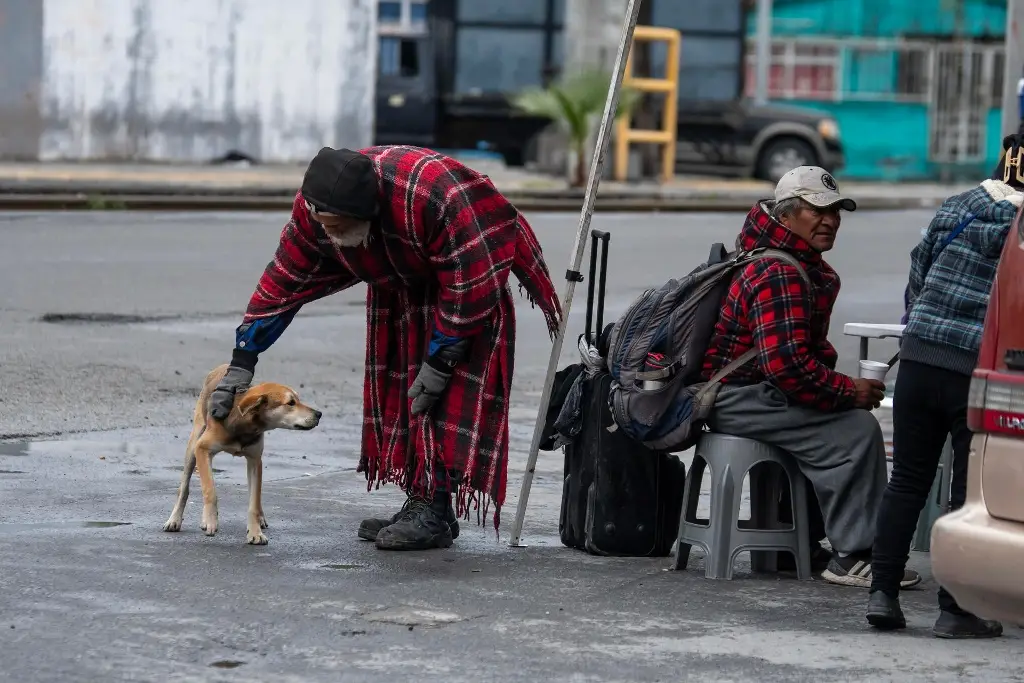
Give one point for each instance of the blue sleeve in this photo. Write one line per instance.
(260, 335)
(438, 341)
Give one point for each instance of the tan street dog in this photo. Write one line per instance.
(258, 410)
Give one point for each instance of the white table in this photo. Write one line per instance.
(938, 499)
(869, 331)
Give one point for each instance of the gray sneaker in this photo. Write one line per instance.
(855, 570)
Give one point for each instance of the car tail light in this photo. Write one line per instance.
(996, 403)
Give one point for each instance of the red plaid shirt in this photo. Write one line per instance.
(769, 306)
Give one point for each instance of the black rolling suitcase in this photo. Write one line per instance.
(618, 497)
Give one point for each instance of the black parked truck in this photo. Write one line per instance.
(449, 87)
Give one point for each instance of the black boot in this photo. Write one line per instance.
(421, 527)
(369, 528)
(884, 612)
(965, 625)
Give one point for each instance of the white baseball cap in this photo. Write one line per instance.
(814, 185)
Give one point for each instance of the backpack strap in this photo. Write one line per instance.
(968, 219)
(731, 367)
(782, 256)
(749, 354)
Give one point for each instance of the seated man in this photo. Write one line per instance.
(790, 395)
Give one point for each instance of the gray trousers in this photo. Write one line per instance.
(842, 454)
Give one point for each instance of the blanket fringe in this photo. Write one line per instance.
(550, 316)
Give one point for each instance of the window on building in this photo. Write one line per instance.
(499, 60)
(418, 13)
(998, 67)
(558, 15)
(801, 70)
(389, 12)
(504, 11)
(402, 17)
(694, 16)
(913, 73)
(398, 57)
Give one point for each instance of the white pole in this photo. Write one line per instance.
(596, 170)
(1013, 66)
(764, 50)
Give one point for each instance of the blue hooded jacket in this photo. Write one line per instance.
(951, 273)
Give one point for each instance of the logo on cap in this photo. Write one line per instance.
(829, 182)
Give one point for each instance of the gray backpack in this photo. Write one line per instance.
(656, 352)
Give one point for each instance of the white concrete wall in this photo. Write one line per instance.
(593, 32)
(187, 80)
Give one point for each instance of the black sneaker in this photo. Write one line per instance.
(955, 626)
(884, 612)
(421, 527)
(369, 528)
(855, 570)
(819, 560)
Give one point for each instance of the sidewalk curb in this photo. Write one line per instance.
(155, 200)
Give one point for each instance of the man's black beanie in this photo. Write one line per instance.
(343, 182)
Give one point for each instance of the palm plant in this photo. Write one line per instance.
(574, 103)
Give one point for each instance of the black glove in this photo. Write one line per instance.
(235, 381)
(434, 375)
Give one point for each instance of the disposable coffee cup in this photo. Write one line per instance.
(872, 369)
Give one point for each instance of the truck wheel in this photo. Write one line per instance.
(783, 155)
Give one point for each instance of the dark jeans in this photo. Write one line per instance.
(929, 403)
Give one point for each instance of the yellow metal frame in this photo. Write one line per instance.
(666, 136)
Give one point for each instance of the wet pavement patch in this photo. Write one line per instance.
(177, 468)
(227, 664)
(101, 318)
(413, 616)
(30, 526)
(104, 450)
(341, 566)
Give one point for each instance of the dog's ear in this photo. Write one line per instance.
(249, 403)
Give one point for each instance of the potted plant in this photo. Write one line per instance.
(574, 104)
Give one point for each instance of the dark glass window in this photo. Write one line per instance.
(498, 60)
(398, 57)
(389, 12)
(504, 11)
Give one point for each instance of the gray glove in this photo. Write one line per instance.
(235, 381)
(429, 384)
(433, 377)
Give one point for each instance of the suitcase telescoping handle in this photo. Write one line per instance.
(603, 237)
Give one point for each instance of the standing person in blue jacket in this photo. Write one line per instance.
(951, 273)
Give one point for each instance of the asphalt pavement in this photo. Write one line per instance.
(108, 324)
